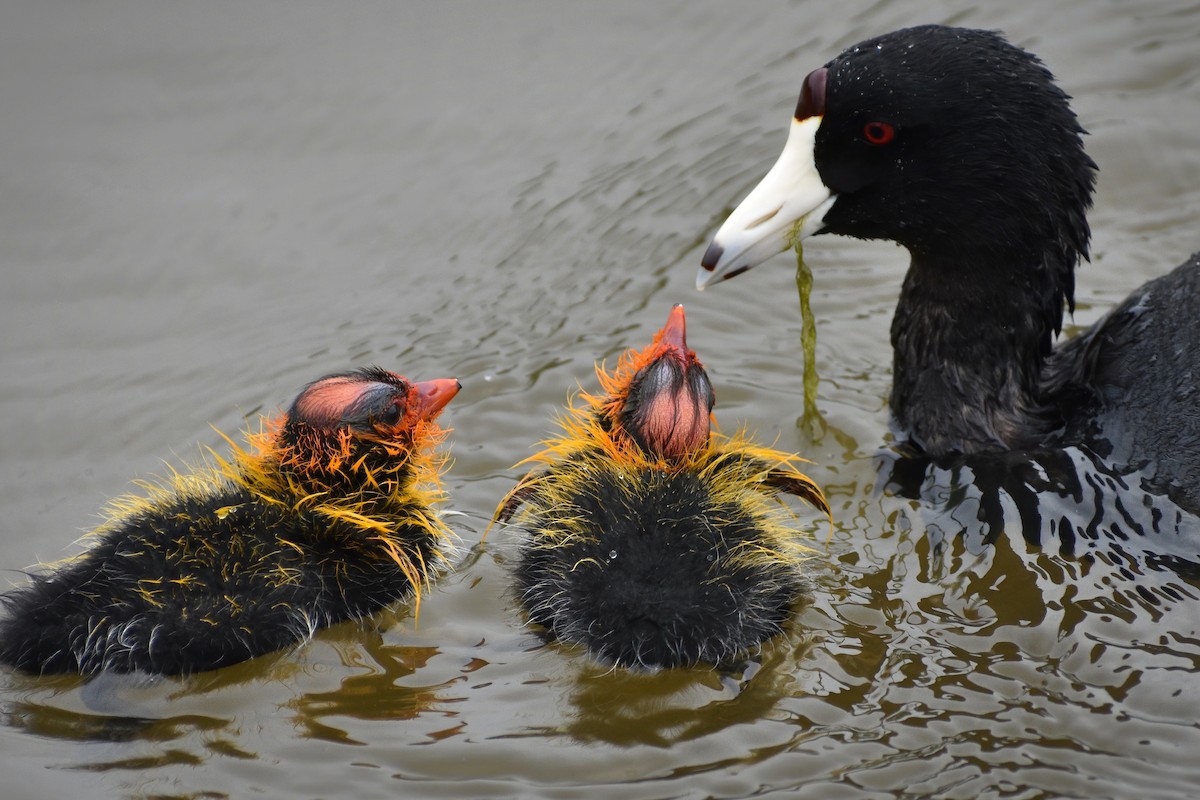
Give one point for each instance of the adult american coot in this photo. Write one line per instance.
(326, 518)
(960, 147)
(649, 539)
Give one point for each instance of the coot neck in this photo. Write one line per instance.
(970, 335)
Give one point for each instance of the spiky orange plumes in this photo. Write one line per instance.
(311, 479)
(588, 428)
(396, 484)
(325, 515)
(652, 539)
(571, 457)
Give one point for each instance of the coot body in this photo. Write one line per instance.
(960, 147)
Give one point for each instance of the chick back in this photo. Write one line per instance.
(191, 583)
(658, 569)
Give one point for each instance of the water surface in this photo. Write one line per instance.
(204, 206)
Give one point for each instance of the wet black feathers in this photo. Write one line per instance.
(987, 185)
(654, 569)
(199, 583)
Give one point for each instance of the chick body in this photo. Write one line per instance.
(649, 539)
(323, 519)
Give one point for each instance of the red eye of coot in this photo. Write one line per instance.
(878, 132)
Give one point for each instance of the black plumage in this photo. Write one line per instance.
(960, 147)
(327, 518)
(648, 539)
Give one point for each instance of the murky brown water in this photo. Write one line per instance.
(204, 206)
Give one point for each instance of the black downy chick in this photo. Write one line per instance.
(649, 539)
(328, 517)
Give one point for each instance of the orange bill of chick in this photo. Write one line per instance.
(647, 537)
(327, 516)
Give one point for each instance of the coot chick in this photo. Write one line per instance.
(327, 517)
(651, 540)
(960, 147)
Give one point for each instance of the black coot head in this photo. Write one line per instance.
(947, 140)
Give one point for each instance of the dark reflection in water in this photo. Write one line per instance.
(996, 660)
(376, 695)
(664, 708)
(48, 721)
(1068, 502)
(202, 207)
(45, 720)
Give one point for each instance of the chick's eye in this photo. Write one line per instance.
(391, 415)
(878, 132)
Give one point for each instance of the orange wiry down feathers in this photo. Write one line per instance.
(649, 538)
(322, 516)
(584, 430)
(388, 498)
(396, 493)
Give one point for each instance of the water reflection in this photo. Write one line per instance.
(479, 190)
(45, 720)
(376, 694)
(660, 709)
(1068, 502)
(963, 659)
